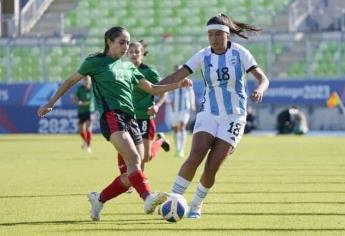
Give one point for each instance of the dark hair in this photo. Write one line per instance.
(143, 46)
(236, 27)
(112, 33)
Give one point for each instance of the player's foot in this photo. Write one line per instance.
(178, 154)
(165, 145)
(194, 212)
(88, 149)
(96, 206)
(130, 190)
(83, 146)
(154, 200)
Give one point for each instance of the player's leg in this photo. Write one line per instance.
(81, 128)
(88, 128)
(137, 178)
(147, 129)
(203, 138)
(88, 132)
(215, 158)
(175, 129)
(183, 132)
(229, 134)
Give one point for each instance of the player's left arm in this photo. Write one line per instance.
(67, 84)
(262, 86)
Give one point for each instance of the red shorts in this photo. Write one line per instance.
(115, 121)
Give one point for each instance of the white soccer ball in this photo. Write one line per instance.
(174, 208)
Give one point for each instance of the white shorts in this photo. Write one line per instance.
(228, 128)
(178, 117)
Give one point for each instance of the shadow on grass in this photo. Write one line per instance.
(271, 203)
(190, 229)
(275, 214)
(78, 222)
(277, 192)
(213, 193)
(45, 195)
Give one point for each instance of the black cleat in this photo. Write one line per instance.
(165, 145)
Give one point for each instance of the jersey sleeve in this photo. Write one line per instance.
(86, 67)
(137, 75)
(248, 60)
(194, 63)
(154, 76)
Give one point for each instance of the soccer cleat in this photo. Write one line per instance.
(96, 206)
(154, 200)
(88, 150)
(165, 145)
(194, 212)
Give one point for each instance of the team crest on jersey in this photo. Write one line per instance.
(233, 60)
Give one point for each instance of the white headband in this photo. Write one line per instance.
(218, 27)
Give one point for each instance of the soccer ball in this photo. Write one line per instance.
(174, 208)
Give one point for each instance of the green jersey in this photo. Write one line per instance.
(142, 100)
(113, 82)
(84, 94)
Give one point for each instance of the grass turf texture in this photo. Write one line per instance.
(284, 185)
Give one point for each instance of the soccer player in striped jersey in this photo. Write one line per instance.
(182, 103)
(86, 108)
(113, 81)
(220, 122)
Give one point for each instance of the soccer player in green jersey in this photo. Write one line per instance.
(145, 106)
(86, 107)
(113, 82)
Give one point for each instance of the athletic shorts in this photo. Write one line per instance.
(178, 117)
(84, 116)
(147, 128)
(115, 120)
(229, 128)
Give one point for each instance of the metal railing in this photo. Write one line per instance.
(275, 53)
(31, 13)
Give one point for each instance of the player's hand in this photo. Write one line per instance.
(43, 110)
(256, 96)
(152, 110)
(185, 83)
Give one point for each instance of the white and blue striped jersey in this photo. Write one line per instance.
(181, 99)
(224, 77)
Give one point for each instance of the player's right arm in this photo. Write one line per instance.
(44, 109)
(175, 77)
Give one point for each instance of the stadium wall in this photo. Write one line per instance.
(19, 102)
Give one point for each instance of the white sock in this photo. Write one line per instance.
(176, 139)
(180, 185)
(183, 138)
(199, 195)
(179, 140)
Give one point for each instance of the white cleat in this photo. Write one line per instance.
(194, 212)
(154, 200)
(96, 206)
(88, 150)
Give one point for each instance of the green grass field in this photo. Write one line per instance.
(271, 186)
